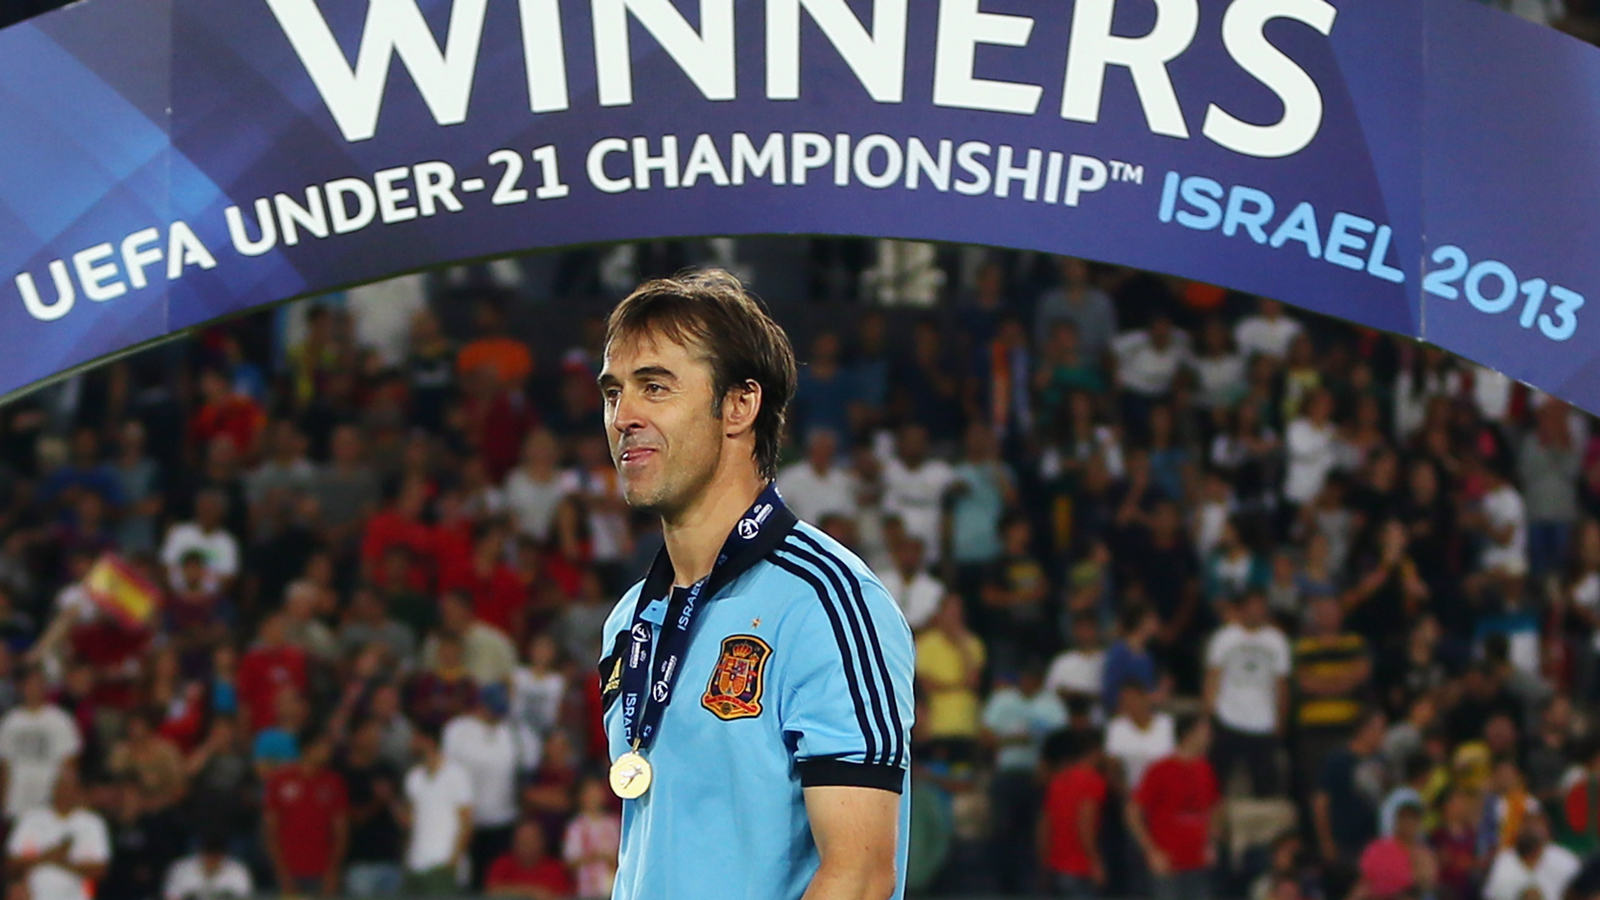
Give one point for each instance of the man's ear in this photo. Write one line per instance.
(740, 406)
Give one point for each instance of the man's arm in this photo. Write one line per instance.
(1213, 687)
(1157, 859)
(1089, 839)
(1324, 826)
(856, 830)
(341, 845)
(1281, 702)
(463, 836)
(269, 837)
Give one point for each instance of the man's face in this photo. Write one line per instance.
(908, 553)
(1253, 611)
(33, 689)
(67, 793)
(824, 446)
(913, 444)
(666, 440)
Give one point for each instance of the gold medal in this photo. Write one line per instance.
(630, 775)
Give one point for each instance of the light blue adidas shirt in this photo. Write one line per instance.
(799, 674)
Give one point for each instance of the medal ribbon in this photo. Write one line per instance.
(664, 618)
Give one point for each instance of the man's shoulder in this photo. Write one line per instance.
(484, 632)
(37, 818)
(460, 725)
(1227, 635)
(1564, 860)
(808, 543)
(83, 817)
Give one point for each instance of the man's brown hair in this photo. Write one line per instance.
(710, 310)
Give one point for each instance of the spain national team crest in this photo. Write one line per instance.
(734, 691)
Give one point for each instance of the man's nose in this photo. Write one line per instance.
(625, 415)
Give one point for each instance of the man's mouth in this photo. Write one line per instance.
(635, 455)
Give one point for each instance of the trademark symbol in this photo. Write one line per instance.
(1127, 173)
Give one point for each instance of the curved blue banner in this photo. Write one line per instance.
(1420, 166)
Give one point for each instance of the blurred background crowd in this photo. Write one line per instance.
(1212, 597)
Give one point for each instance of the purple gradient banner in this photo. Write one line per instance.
(1420, 166)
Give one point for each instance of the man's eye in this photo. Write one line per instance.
(653, 388)
(611, 394)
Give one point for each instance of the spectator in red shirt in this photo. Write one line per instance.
(452, 537)
(1581, 805)
(528, 870)
(497, 416)
(498, 596)
(305, 822)
(401, 523)
(1069, 831)
(268, 666)
(226, 412)
(1455, 843)
(1174, 816)
(1394, 865)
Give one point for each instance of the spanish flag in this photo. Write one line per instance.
(122, 592)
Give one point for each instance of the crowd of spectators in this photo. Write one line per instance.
(1211, 598)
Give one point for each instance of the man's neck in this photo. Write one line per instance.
(694, 536)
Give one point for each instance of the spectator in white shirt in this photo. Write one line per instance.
(205, 534)
(1149, 359)
(1219, 367)
(1504, 524)
(534, 489)
(914, 489)
(1077, 672)
(484, 744)
(1269, 332)
(1312, 445)
(438, 814)
(209, 874)
(61, 849)
(916, 591)
(37, 741)
(1139, 735)
(1247, 693)
(818, 486)
(1532, 864)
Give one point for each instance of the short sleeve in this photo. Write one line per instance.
(1208, 776)
(91, 843)
(572, 843)
(845, 674)
(7, 744)
(71, 740)
(21, 836)
(1285, 657)
(1216, 649)
(341, 796)
(175, 884)
(238, 881)
(460, 788)
(1151, 785)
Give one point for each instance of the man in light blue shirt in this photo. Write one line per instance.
(757, 685)
(1018, 716)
